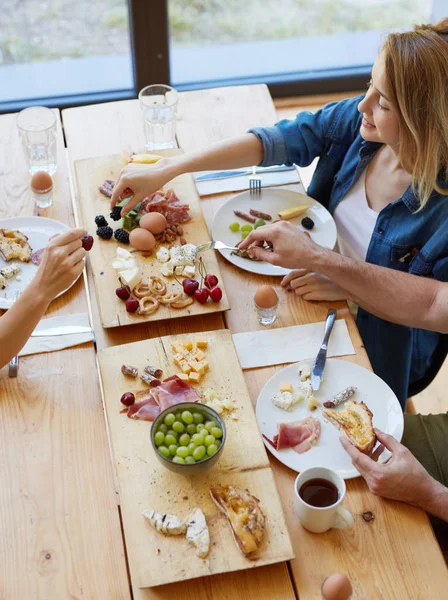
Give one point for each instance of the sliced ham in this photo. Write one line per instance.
(168, 204)
(174, 391)
(299, 435)
(145, 409)
(36, 257)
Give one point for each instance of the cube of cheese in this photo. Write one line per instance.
(178, 359)
(185, 367)
(194, 365)
(194, 377)
(183, 376)
(188, 345)
(202, 367)
(201, 343)
(199, 355)
(285, 387)
(313, 403)
(176, 348)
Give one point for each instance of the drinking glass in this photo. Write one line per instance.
(158, 104)
(37, 131)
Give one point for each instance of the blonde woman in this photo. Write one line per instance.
(382, 173)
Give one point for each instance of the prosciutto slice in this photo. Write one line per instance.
(36, 257)
(167, 204)
(174, 391)
(299, 435)
(145, 409)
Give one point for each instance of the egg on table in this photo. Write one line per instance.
(142, 240)
(41, 182)
(266, 297)
(336, 587)
(153, 222)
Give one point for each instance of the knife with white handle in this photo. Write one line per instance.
(319, 364)
(64, 330)
(213, 175)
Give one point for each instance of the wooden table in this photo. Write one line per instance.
(64, 440)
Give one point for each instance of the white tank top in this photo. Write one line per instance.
(355, 221)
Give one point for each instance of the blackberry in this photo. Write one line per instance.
(100, 221)
(105, 232)
(307, 223)
(115, 215)
(121, 236)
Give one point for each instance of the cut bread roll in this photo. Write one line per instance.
(355, 421)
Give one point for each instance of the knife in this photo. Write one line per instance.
(319, 363)
(227, 174)
(64, 330)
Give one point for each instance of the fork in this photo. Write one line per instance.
(254, 185)
(14, 362)
(214, 246)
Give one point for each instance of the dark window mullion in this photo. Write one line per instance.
(149, 31)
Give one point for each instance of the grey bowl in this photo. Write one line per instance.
(206, 463)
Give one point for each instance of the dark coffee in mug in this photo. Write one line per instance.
(319, 492)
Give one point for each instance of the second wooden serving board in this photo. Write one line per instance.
(146, 484)
(91, 173)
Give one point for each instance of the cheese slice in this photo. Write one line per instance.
(131, 277)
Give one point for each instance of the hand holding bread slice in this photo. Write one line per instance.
(355, 422)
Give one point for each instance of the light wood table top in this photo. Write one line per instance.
(394, 556)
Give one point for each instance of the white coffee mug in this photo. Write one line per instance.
(317, 519)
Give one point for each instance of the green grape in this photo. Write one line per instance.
(209, 425)
(184, 439)
(169, 419)
(212, 449)
(199, 453)
(164, 451)
(234, 227)
(163, 428)
(178, 427)
(200, 427)
(191, 446)
(259, 223)
(159, 438)
(189, 460)
(170, 439)
(217, 432)
(191, 428)
(179, 416)
(244, 234)
(187, 417)
(198, 417)
(247, 228)
(173, 449)
(179, 460)
(209, 440)
(182, 451)
(196, 439)
(173, 433)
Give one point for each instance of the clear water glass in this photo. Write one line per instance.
(37, 131)
(266, 316)
(158, 104)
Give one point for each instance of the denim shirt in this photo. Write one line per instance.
(402, 239)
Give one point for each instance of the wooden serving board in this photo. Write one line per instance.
(145, 483)
(90, 175)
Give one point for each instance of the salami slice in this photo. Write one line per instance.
(36, 257)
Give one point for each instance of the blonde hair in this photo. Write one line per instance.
(417, 75)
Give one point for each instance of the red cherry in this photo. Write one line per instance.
(201, 295)
(123, 292)
(216, 294)
(210, 281)
(132, 305)
(190, 286)
(87, 242)
(127, 399)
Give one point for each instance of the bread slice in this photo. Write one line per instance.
(14, 245)
(245, 517)
(355, 421)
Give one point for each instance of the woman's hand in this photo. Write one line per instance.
(62, 263)
(312, 286)
(141, 181)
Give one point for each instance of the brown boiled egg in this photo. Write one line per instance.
(154, 222)
(41, 182)
(142, 240)
(266, 297)
(336, 587)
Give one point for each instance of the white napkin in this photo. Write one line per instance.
(38, 345)
(290, 344)
(236, 184)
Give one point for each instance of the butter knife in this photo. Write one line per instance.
(319, 363)
(214, 175)
(64, 330)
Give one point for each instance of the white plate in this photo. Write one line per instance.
(328, 451)
(271, 201)
(38, 230)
